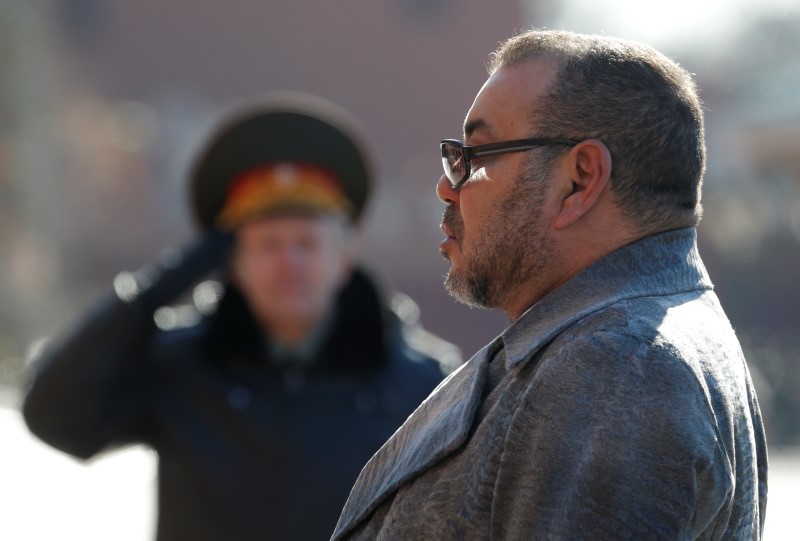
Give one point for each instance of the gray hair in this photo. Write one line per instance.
(642, 105)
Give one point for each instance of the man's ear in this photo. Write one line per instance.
(588, 167)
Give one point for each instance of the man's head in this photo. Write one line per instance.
(289, 268)
(619, 154)
(289, 176)
(643, 106)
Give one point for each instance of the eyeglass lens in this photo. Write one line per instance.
(455, 166)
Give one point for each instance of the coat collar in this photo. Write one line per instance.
(439, 426)
(358, 339)
(663, 264)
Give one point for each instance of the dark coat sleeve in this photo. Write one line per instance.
(88, 383)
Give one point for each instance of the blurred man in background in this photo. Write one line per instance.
(618, 404)
(264, 411)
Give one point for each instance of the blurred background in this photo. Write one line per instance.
(104, 103)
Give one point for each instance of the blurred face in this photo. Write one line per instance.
(496, 222)
(290, 268)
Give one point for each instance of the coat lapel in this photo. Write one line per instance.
(439, 426)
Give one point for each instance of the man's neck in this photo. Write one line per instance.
(298, 341)
(577, 253)
(290, 333)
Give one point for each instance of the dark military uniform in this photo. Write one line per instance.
(248, 450)
(252, 444)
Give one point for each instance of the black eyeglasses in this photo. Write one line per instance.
(457, 158)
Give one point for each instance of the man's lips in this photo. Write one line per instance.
(450, 225)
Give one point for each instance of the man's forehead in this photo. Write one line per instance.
(508, 97)
(477, 125)
(293, 221)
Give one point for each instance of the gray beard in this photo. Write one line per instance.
(515, 251)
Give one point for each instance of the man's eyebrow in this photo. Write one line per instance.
(477, 124)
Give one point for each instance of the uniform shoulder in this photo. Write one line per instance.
(182, 324)
(422, 345)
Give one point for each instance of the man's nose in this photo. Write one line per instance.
(289, 257)
(445, 192)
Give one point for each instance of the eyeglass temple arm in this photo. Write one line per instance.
(502, 148)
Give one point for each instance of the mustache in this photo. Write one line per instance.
(451, 220)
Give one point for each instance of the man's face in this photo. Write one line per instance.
(290, 268)
(498, 241)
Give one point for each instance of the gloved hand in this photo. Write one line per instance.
(156, 285)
